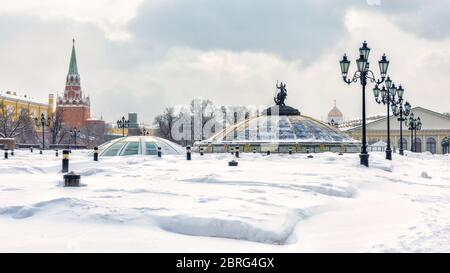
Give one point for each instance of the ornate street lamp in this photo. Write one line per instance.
(42, 123)
(363, 74)
(386, 95)
(418, 128)
(123, 123)
(414, 125)
(334, 123)
(402, 112)
(74, 133)
(145, 132)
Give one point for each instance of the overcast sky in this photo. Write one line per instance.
(142, 56)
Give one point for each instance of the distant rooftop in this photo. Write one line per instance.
(349, 124)
(15, 96)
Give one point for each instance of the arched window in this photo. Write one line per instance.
(431, 145)
(404, 142)
(418, 148)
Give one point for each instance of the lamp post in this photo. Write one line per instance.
(74, 133)
(386, 95)
(42, 123)
(363, 74)
(334, 123)
(402, 112)
(414, 125)
(418, 127)
(123, 123)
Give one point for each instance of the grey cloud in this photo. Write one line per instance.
(143, 75)
(290, 29)
(427, 19)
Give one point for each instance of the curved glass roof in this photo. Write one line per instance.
(139, 145)
(281, 128)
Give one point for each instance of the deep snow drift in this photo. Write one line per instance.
(268, 203)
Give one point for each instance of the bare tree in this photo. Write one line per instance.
(93, 134)
(165, 122)
(58, 133)
(197, 114)
(29, 134)
(204, 111)
(12, 124)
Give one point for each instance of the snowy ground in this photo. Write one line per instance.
(276, 203)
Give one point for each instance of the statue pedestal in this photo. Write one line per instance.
(277, 110)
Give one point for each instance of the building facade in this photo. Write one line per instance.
(18, 103)
(73, 105)
(435, 128)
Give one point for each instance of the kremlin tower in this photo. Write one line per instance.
(73, 105)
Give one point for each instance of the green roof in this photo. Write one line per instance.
(73, 68)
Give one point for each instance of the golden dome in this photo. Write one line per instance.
(335, 112)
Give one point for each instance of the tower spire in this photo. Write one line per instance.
(73, 68)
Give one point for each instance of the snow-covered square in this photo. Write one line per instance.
(276, 203)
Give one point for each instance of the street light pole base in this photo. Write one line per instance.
(389, 154)
(401, 151)
(364, 159)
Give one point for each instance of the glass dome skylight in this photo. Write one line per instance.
(139, 145)
(281, 128)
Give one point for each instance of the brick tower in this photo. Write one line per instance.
(73, 105)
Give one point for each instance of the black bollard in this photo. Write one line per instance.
(12, 152)
(232, 150)
(188, 153)
(268, 152)
(254, 150)
(232, 163)
(307, 150)
(290, 150)
(71, 180)
(96, 153)
(56, 153)
(201, 151)
(6, 153)
(40, 151)
(159, 152)
(65, 161)
(31, 149)
(237, 151)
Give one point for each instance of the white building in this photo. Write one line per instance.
(435, 127)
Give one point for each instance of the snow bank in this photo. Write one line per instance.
(228, 228)
(271, 203)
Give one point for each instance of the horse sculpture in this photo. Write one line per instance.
(281, 95)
